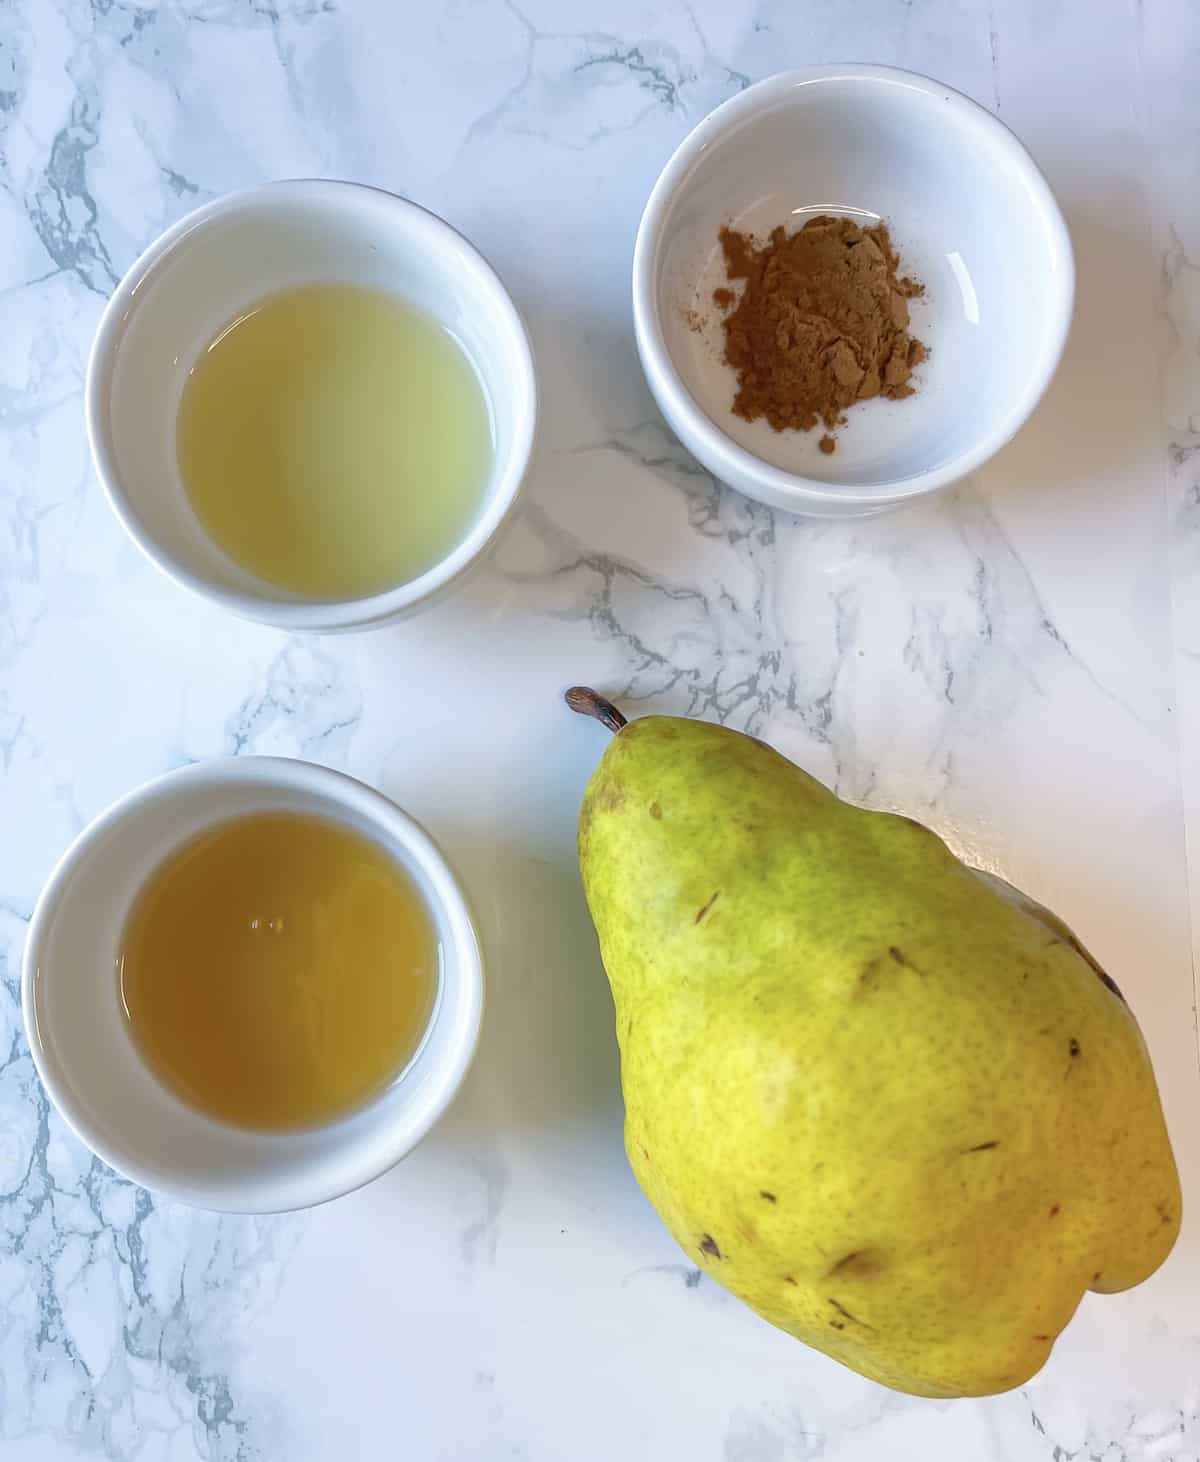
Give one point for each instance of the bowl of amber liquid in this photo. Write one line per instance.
(252, 985)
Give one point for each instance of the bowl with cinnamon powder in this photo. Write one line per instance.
(851, 287)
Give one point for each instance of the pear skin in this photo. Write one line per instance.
(886, 1100)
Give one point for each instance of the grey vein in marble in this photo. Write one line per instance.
(304, 703)
(554, 59)
(718, 646)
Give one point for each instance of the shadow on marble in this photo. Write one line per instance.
(1099, 414)
(547, 1056)
(548, 1051)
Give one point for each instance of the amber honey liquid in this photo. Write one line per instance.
(278, 971)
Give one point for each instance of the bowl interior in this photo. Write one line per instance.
(247, 246)
(971, 219)
(95, 1072)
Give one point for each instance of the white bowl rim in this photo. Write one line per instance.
(778, 485)
(341, 790)
(298, 612)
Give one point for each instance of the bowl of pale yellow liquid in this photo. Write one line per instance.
(313, 402)
(252, 985)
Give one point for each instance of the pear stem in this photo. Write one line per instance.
(586, 702)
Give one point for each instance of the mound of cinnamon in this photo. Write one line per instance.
(821, 323)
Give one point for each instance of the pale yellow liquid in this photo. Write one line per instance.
(278, 971)
(334, 441)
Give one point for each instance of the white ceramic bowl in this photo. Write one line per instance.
(81, 1042)
(973, 219)
(213, 264)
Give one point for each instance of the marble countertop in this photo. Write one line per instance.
(1017, 663)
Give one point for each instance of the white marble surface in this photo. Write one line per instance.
(1018, 664)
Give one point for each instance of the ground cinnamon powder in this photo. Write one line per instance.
(821, 323)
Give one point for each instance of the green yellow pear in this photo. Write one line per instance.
(883, 1098)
